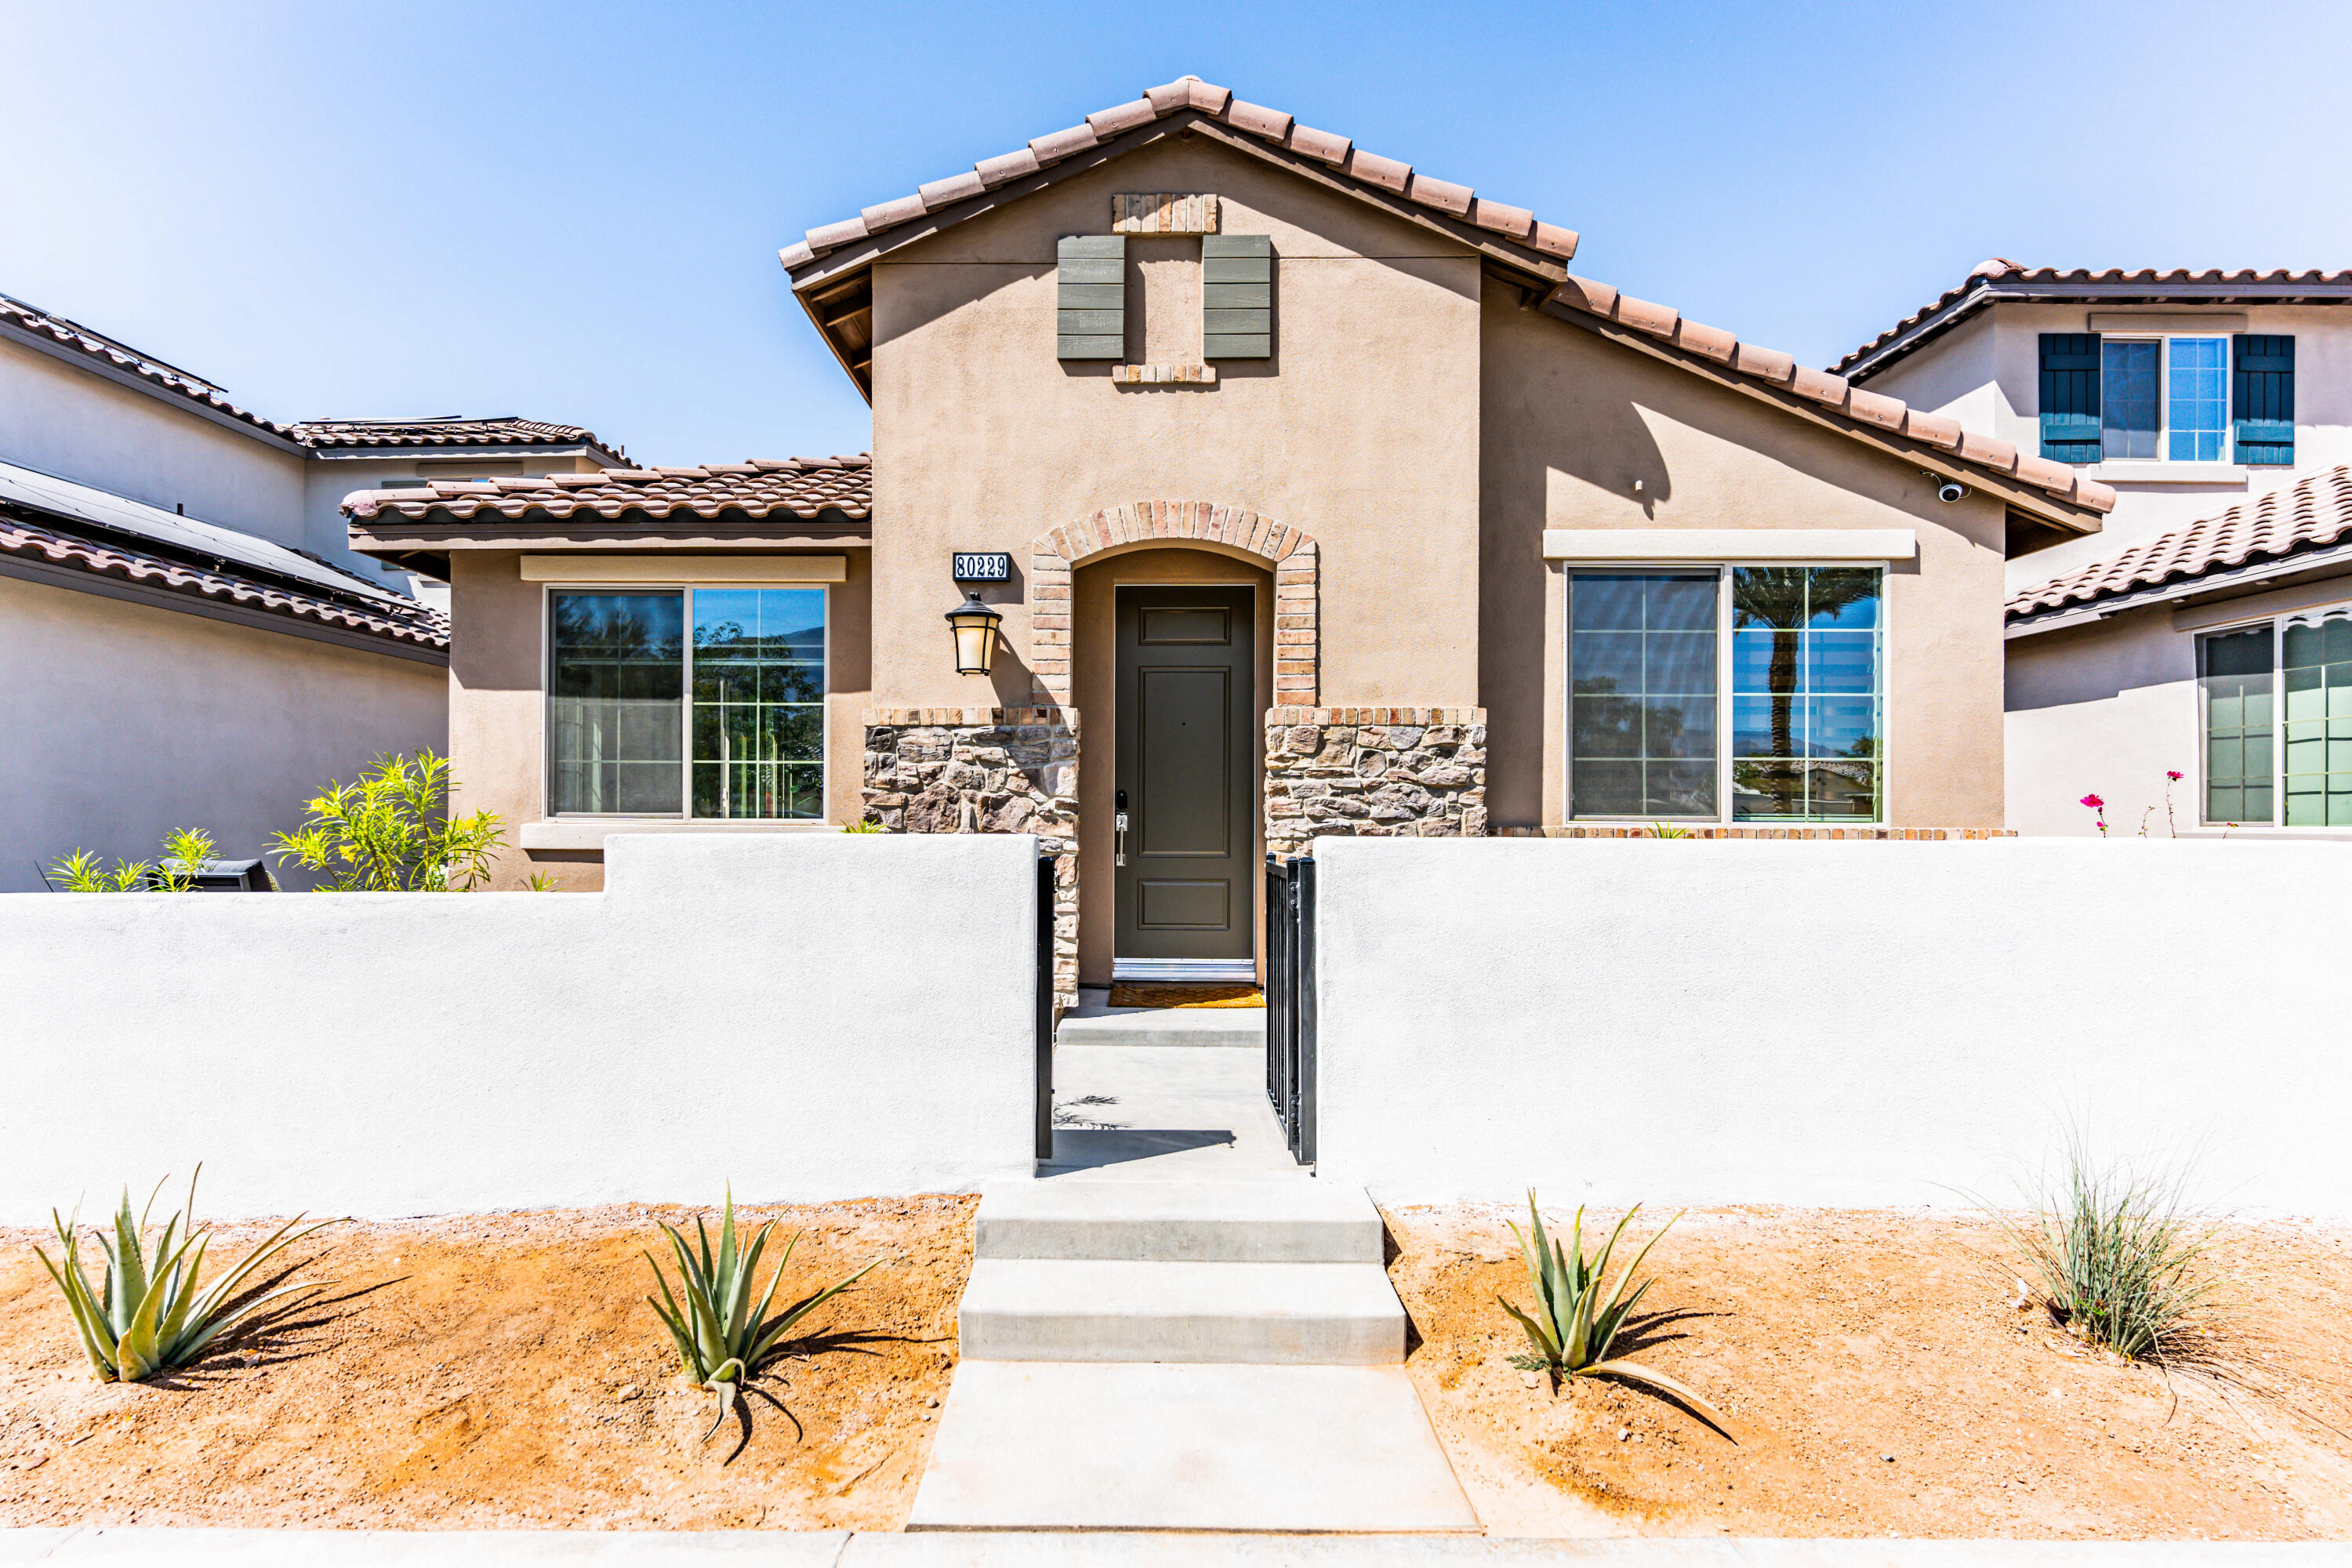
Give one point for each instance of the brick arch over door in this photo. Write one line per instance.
(1296, 559)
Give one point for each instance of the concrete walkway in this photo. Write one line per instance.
(135, 1548)
(1163, 1112)
(1094, 1022)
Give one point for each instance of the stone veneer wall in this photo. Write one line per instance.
(986, 770)
(1373, 772)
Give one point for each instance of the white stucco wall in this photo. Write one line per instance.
(1831, 1023)
(63, 419)
(126, 720)
(808, 1017)
(1987, 374)
(2107, 709)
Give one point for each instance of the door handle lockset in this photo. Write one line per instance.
(1118, 838)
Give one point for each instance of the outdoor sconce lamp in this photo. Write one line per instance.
(974, 626)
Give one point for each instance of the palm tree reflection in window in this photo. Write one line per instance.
(1804, 686)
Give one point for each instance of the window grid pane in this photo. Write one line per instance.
(2234, 670)
(616, 673)
(759, 702)
(2316, 654)
(1642, 694)
(1805, 694)
(2198, 399)
(2128, 377)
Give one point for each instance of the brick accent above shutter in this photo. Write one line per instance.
(1090, 297)
(2262, 397)
(2070, 397)
(1236, 296)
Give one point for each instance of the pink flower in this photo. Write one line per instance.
(2094, 802)
(2173, 776)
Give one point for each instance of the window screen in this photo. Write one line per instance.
(2235, 670)
(616, 676)
(2315, 659)
(1642, 694)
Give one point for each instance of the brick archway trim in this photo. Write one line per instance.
(1297, 566)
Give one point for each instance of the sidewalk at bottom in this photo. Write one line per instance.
(124, 1548)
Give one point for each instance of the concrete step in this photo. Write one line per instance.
(1336, 1314)
(1097, 1026)
(1035, 1445)
(1300, 1220)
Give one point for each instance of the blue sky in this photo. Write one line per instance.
(571, 212)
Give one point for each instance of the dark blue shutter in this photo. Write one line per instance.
(2262, 397)
(2070, 397)
(1090, 297)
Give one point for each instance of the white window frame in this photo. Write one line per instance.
(1723, 570)
(2277, 624)
(684, 813)
(2164, 394)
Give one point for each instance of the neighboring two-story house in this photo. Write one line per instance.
(191, 641)
(2206, 632)
(1314, 494)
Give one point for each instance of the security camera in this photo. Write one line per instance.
(1951, 490)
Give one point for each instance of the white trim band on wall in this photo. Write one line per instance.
(1720, 544)
(662, 566)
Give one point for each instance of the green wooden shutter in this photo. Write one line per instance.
(1236, 296)
(1090, 297)
(2070, 397)
(2262, 397)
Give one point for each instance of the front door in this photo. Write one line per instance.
(1186, 866)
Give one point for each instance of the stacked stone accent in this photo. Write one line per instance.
(1296, 561)
(986, 770)
(1694, 830)
(1387, 772)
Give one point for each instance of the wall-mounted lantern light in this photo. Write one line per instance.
(974, 626)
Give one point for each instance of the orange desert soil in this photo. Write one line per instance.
(497, 1372)
(1882, 1379)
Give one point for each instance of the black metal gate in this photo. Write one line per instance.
(1045, 1079)
(1290, 1000)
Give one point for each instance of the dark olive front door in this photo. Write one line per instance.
(1186, 781)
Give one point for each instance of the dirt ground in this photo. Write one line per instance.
(497, 1372)
(1881, 1378)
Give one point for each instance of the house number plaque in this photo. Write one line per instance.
(982, 566)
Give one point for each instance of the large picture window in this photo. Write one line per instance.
(1786, 662)
(2278, 721)
(645, 719)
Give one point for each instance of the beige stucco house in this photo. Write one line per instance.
(2190, 665)
(1316, 494)
(190, 639)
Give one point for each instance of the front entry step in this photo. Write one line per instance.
(1332, 1314)
(1277, 1220)
(1038, 1445)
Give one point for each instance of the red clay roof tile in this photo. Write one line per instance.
(1257, 120)
(1322, 144)
(2315, 512)
(799, 487)
(1385, 173)
(1443, 195)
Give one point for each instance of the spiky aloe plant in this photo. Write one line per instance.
(149, 1313)
(721, 1339)
(1574, 1323)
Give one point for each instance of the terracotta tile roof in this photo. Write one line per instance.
(1890, 415)
(393, 619)
(2314, 512)
(453, 430)
(98, 346)
(1182, 95)
(2180, 284)
(797, 487)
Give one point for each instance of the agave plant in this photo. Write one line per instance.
(721, 1339)
(149, 1313)
(1574, 1322)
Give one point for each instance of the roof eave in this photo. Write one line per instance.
(2213, 580)
(826, 274)
(2015, 494)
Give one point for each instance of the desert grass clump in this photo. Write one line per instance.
(1575, 1322)
(722, 1339)
(2120, 1254)
(149, 1313)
